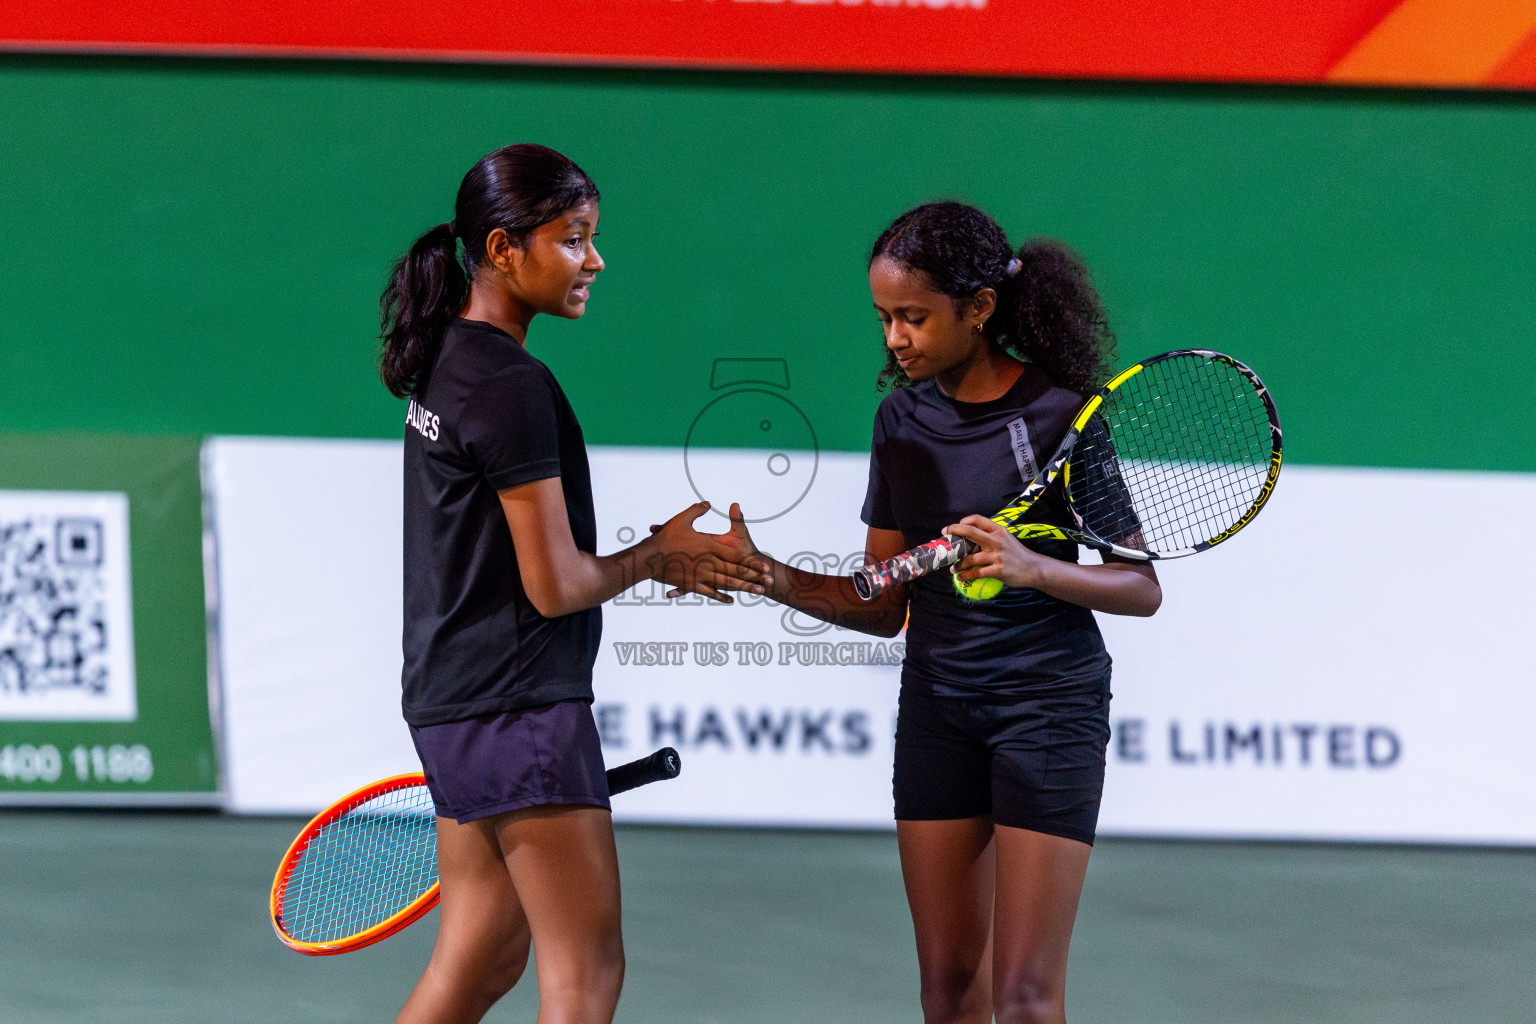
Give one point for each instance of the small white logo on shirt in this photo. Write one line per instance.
(1023, 453)
(425, 422)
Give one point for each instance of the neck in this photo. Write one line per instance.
(987, 375)
(499, 308)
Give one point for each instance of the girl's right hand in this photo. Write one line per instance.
(706, 563)
(742, 540)
(1000, 555)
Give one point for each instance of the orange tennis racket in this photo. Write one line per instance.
(366, 866)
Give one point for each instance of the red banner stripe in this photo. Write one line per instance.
(1519, 68)
(1237, 40)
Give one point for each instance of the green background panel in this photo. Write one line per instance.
(197, 247)
(160, 477)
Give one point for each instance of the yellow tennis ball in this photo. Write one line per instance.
(983, 589)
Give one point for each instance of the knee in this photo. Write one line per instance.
(608, 968)
(584, 986)
(951, 993)
(508, 967)
(497, 976)
(1028, 1000)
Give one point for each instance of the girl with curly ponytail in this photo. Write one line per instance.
(1004, 710)
(1047, 310)
(502, 588)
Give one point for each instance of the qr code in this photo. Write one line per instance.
(53, 621)
(62, 606)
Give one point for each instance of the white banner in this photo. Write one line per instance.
(306, 542)
(1336, 671)
(1330, 673)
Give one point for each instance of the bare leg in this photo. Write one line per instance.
(1039, 880)
(949, 868)
(565, 869)
(482, 933)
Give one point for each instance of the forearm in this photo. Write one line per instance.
(833, 599)
(1115, 588)
(588, 580)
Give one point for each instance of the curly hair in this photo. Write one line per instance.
(1048, 312)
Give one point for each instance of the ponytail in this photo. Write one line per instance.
(1052, 316)
(427, 288)
(1048, 312)
(514, 189)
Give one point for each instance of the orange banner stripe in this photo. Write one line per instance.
(1438, 42)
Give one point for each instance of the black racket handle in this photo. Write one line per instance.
(658, 767)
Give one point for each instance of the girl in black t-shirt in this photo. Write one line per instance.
(1003, 718)
(502, 584)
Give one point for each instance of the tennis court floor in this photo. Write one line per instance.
(134, 918)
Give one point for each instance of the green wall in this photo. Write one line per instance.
(197, 247)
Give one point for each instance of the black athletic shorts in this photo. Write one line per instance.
(501, 762)
(1034, 764)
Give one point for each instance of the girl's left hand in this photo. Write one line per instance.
(1001, 557)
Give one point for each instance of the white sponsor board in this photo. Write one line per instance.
(306, 545)
(1299, 682)
(1336, 671)
(66, 614)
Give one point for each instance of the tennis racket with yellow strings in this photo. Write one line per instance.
(1171, 457)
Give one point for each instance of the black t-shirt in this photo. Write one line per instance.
(490, 416)
(936, 461)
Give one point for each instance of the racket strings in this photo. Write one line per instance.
(363, 868)
(1174, 457)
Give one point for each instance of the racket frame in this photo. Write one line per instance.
(376, 933)
(660, 765)
(1059, 467)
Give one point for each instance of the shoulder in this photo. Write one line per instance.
(487, 361)
(508, 388)
(524, 383)
(1041, 396)
(480, 350)
(901, 403)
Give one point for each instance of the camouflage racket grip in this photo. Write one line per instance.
(909, 565)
